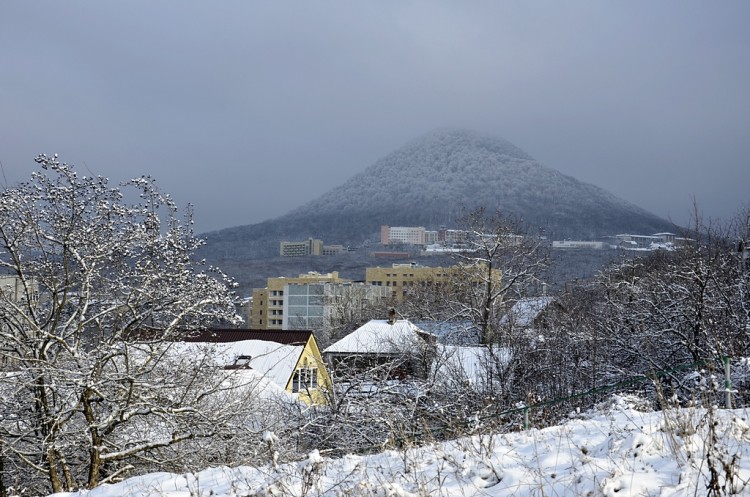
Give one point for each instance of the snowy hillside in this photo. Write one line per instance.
(617, 451)
(432, 179)
(429, 180)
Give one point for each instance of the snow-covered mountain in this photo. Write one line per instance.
(428, 182)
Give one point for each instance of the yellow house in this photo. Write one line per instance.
(290, 359)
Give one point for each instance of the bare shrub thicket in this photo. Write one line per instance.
(97, 282)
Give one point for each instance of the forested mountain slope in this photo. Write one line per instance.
(429, 181)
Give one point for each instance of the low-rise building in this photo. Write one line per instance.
(333, 249)
(311, 246)
(577, 244)
(389, 348)
(650, 242)
(289, 359)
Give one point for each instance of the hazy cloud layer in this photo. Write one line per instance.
(249, 109)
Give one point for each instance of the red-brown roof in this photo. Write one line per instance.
(224, 335)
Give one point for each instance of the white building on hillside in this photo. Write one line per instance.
(408, 235)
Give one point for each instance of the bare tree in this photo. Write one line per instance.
(86, 394)
(502, 259)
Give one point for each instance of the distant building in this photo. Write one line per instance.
(14, 289)
(333, 249)
(650, 242)
(402, 277)
(407, 235)
(578, 244)
(300, 249)
(452, 237)
(316, 305)
(310, 301)
(268, 303)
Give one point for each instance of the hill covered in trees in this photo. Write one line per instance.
(429, 182)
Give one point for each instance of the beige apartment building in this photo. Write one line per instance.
(267, 310)
(401, 277)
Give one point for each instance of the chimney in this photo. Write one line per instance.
(391, 316)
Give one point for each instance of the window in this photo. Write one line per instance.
(243, 361)
(305, 379)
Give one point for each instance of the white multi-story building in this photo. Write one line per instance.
(408, 235)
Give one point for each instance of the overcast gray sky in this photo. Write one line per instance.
(249, 109)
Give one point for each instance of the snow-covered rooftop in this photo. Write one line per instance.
(273, 360)
(378, 336)
(458, 364)
(525, 311)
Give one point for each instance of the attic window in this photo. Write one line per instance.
(242, 361)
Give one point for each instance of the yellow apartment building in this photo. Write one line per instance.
(403, 277)
(267, 310)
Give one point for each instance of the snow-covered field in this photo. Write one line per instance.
(617, 451)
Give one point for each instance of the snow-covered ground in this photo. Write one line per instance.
(617, 451)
